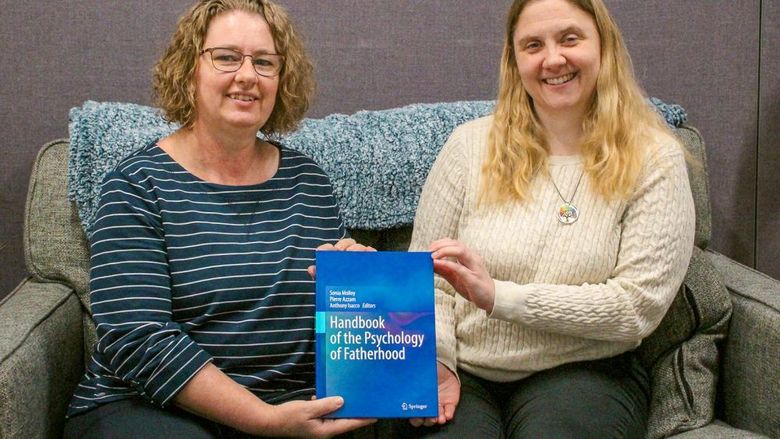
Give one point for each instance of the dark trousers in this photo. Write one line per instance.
(137, 419)
(593, 399)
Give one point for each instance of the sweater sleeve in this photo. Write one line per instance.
(438, 214)
(656, 241)
(131, 296)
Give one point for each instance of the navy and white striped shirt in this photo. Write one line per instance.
(186, 272)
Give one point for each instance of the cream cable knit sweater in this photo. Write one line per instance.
(564, 293)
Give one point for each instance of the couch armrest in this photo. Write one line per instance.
(41, 358)
(750, 376)
(718, 430)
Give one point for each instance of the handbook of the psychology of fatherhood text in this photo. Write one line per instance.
(375, 334)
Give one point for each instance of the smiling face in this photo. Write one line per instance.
(558, 54)
(226, 101)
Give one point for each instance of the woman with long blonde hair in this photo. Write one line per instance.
(561, 227)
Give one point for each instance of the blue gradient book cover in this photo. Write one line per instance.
(375, 333)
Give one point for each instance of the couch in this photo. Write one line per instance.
(47, 331)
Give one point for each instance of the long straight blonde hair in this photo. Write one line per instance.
(618, 126)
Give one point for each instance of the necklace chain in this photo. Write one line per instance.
(572, 195)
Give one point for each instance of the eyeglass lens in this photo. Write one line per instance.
(229, 60)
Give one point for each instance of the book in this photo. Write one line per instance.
(375, 333)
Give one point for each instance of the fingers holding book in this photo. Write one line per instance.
(347, 244)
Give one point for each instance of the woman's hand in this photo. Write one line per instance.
(449, 396)
(466, 273)
(347, 244)
(305, 419)
(213, 395)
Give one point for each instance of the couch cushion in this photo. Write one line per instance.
(396, 239)
(56, 248)
(718, 430)
(751, 374)
(40, 359)
(697, 174)
(682, 353)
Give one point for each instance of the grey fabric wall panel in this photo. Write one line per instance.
(703, 55)
(768, 200)
(55, 56)
(373, 54)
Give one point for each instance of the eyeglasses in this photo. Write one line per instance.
(229, 60)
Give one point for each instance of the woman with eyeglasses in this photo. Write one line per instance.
(202, 248)
(561, 228)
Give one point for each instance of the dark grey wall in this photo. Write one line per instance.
(768, 199)
(372, 54)
(704, 55)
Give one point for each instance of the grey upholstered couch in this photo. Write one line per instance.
(47, 332)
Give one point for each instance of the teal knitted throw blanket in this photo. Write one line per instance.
(377, 160)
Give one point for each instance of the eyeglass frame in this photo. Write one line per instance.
(211, 50)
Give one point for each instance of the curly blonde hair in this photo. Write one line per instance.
(174, 73)
(618, 126)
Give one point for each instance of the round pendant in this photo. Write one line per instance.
(568, 213)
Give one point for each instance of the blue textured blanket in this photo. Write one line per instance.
(377, 160)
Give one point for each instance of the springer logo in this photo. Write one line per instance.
(406, 407)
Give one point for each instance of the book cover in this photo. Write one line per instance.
(375, 333)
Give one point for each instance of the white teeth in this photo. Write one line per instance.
(560, 80)
(242, 97)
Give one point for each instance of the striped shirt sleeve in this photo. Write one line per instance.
(131, 294)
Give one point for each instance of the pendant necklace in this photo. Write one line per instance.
(567, 212)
